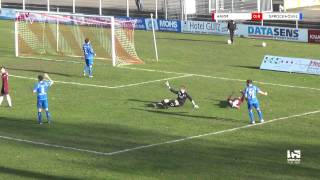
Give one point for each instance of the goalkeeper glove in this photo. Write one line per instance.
(194, 105)
(168, 85)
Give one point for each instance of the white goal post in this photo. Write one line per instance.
(42, 34)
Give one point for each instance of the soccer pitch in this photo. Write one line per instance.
(104, 128)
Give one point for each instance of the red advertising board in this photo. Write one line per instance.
(314, 36)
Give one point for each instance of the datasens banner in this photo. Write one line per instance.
(314, 36)
(277, 33)
(203, 27)
(287, 64)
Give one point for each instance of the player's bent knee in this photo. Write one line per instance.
(166, 100)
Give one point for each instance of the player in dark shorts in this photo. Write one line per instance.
(5, 87)
(235, 102)
(232, 26)
(181, 99)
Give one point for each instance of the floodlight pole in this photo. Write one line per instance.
(165, 6)
(100, 7)
(258, 5)
(48, 5)
(73, 6)
(128, 9)
(156, 9)
(0, 4)
(24, 4)
(217, 5)
(232, 6)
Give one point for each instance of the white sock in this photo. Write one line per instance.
(1, 99)
(9, 100)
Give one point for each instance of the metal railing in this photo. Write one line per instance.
(168, 9)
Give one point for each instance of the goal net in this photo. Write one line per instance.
(43, 34)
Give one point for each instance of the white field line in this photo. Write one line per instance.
(108, 87)
(226, 79)
(156, 144)
(211, 133)
(178, 73)
(48, 59)
(147, 82)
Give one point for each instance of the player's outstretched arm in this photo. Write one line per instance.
(263, 93)
(193, 102)
(167, 84)
(194, 105)
(48, 77)
(172, 90)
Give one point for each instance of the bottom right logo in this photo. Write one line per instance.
(294, 156)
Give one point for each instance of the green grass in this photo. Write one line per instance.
(109, 120)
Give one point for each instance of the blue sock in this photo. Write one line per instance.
(260, 114)
(39, 117)
(251, 115)
(90, 70)
(85, 69)
(48, 116)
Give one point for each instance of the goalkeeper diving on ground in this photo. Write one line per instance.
(182, 96)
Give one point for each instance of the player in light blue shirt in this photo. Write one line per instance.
(41, 90)
(250, 94)
(88, 56)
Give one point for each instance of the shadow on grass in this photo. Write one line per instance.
(185, 114)
(247, 67)
(41, 71)
(104, 137)
(229, 156)
(30, 174)
(222, 103)
(146, 102)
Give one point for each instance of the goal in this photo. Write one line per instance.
(43, 34)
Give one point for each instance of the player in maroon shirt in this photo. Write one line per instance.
(236, 102)
(5, 87)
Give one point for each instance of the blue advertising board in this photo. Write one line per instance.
(288, 64)
(163, 25)
(7, 13)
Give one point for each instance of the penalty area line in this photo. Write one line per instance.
(155, 144)
(179, 73)
(223, 78)
(211, 133)
(108, 87)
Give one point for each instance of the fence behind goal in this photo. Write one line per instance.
(43, 34)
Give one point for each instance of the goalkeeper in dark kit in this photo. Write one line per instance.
(182, 96)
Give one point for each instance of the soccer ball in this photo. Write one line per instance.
(264, 44)
(229, 41)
